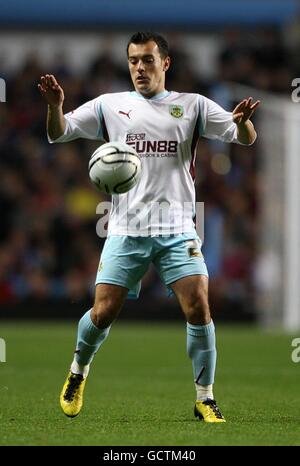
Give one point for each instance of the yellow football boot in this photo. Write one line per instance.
(71, 397)
(208, 411)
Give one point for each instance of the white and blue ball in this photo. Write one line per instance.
(115, 168)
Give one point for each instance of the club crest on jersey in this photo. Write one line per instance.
(176, 110)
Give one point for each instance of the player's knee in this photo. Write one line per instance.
(104, 312)
(197, 308)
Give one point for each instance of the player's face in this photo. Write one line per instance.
(147, 68)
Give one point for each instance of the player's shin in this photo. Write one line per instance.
(89, 340)
(201, 348)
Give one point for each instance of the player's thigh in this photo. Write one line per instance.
(191, 291)
(110, 296)
(182, 267)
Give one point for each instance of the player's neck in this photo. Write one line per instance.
(155, 95)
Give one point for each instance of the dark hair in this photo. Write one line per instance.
(144, 37)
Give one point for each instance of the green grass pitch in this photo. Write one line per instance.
(140, 389)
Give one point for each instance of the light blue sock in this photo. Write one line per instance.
(89, 339)
(201, 348)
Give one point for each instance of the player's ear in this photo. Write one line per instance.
(167, 62)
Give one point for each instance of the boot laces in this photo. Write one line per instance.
(73, 385)
(214, 407)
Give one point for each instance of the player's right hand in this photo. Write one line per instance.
(51, 90)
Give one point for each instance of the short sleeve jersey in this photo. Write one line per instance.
(164, 130)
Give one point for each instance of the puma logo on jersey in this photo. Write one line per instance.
(124, 113)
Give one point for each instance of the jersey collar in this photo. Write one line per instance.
(159, 96)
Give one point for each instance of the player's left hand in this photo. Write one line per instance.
(244, 110)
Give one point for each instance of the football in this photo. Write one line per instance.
(115, 168)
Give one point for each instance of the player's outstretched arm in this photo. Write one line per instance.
(241, 116)
(54, 96)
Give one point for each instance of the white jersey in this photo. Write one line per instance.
(164, 131)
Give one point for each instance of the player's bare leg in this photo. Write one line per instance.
(109, 300)
(93, 329)
(192, 294)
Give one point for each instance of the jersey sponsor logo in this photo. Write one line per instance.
(135, 137)
(125, 113)
(154, 148)
(176, 110)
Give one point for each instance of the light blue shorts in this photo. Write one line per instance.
(125, 259)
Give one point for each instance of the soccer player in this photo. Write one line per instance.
(164, 126)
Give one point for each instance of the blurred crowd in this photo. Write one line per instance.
(49, 249)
